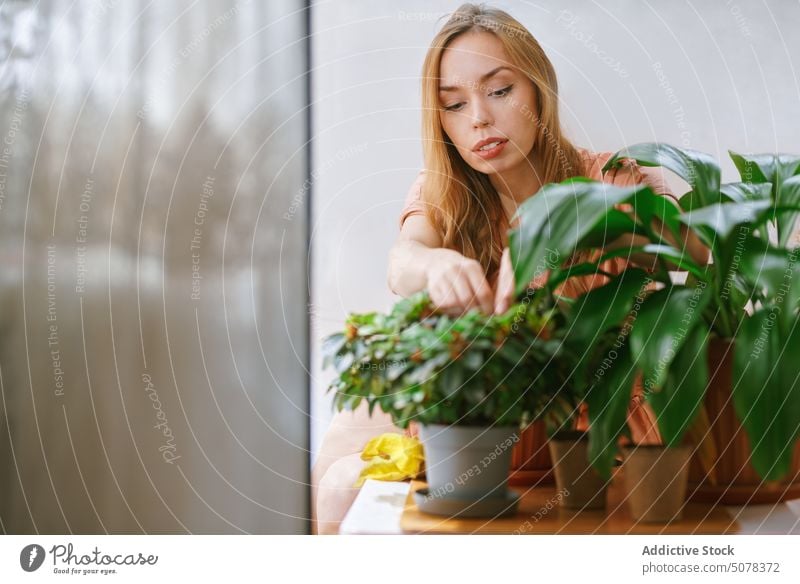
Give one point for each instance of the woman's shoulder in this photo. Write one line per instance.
(414, 203)
(415, 192)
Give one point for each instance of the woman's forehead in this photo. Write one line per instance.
(470, 57)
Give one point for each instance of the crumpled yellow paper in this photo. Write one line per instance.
(392, 457)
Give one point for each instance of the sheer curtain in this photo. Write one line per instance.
(153, 336)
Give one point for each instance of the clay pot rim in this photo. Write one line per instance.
(570, 436)
(470, 426)
(656, 447)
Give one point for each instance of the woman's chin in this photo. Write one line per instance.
(491, 167)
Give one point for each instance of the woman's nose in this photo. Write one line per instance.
(481, 116)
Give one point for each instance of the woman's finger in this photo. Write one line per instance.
(482, 292)
(446, 300)
(464, 292)
(540, 279)
(505, 284)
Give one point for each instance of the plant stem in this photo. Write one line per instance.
(721, 308)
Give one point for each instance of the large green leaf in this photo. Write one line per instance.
(775, 273)
(615, 224)
(777, 170)
(698, 169)
(582, 269)
(722, 218)
(679, 401)
(737, 279)
(552, 222)
(608, 399)
(661, 328)
(788, 196)
(681, 259)
(766, 168)
(766, 390)
(649, 206)
(602, 308)
(739, 192)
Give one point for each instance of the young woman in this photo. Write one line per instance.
(491, 139)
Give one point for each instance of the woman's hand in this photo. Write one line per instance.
(505, 284)
(504, 294)
(457, 283)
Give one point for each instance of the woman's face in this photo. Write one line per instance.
(484, 98)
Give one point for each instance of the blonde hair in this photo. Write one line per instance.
(463, 206)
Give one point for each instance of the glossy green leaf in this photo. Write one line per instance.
(766, 391)
(788, 196)
(777, 170)
(766, 168)
(777, 273)
(582, 269)
(661, 328)
(649, 206)
(723, 218)
(553, 222)
(740, 192)
(682, 260)
(677, 403)
(736, 280)
(602, 308)
(698, 169)
(608, 399)
(612, 226)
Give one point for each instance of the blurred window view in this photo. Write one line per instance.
(153, 246)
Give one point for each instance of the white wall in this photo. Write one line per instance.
(709, 76)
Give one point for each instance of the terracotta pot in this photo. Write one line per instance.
(530, 460)
(581, 486)
(655, 480)
(729, 478)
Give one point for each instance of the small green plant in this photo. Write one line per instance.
(416, 363)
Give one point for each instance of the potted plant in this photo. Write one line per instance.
(747, 326)
(580, 485)
(724, 336)
(471, 383)
(583, 486)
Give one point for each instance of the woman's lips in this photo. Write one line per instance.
(491, 152)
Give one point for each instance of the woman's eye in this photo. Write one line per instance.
(453, 108)
(498, 93)
(502, 92)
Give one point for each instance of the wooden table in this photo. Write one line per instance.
(386, 507)
(540, 513)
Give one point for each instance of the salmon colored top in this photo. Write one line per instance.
(628, 174)
(640, 417)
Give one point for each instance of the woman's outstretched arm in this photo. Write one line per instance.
(415, 250)
(417, 262)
